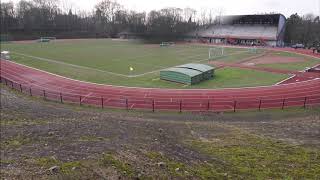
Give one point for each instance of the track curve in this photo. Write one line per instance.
(40, 83)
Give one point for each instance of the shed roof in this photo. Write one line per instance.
(198, 67)
(5, 52)
(189, 72)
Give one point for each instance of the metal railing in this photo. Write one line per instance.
(180, 105)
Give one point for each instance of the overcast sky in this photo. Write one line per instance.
(228, 7)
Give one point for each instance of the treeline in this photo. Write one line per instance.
(35, 18)
(31, 19)
(303, 29)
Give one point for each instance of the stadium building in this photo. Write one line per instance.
(258, 30)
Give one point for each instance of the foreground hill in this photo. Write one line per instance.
(42, 140)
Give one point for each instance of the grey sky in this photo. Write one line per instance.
(230, 7)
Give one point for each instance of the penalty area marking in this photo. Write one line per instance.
(287, 79)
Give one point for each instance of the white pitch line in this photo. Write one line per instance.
(84, 67)
(292, 76)
(73, 65)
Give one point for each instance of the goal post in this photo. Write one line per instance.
(164, 44)
(51, 38)
(215, 53)
(253, 50)
(46, 39)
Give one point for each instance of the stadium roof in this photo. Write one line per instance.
(263, 27)
(252, 19)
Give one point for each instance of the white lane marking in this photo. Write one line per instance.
(86, 96)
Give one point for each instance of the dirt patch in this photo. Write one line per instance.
(24, 42)
(121, 40)
(134, 144)
(269, 59)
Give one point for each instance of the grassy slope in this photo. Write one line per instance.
(231, 152)
(249, 156)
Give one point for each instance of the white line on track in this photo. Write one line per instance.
(86, 96)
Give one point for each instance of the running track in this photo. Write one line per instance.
(53, 87)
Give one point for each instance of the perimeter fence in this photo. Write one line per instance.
(152, 104)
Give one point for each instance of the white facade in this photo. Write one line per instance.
(266, 30)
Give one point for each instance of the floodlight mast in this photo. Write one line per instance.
(318, 7)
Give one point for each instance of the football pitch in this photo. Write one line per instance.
(132, 63)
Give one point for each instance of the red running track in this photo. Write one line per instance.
(299, 51)
(53, 87)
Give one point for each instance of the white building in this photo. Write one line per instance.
(264, 30)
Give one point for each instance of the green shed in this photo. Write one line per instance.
(207, 71)
(181, 75)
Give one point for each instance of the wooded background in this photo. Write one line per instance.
(35, 18)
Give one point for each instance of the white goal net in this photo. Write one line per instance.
(216, 52)
(253, 50)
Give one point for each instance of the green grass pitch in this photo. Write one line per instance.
(108, 61)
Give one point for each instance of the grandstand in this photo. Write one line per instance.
(258, 30)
